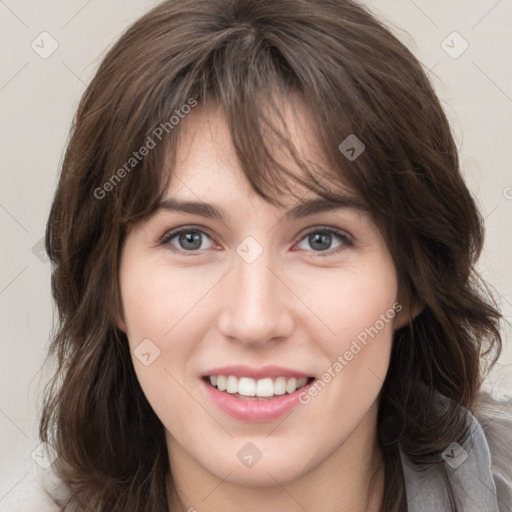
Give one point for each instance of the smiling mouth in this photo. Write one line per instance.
(247, 388)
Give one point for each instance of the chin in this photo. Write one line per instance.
(276, 465)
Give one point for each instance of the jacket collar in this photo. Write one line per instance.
(469, 470)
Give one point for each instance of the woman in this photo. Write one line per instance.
(264, 256)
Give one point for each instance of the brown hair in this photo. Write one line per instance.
(357, 78)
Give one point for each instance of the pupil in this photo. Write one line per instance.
(323, 238)
(191, 237)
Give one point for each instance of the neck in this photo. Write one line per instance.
(351, 479)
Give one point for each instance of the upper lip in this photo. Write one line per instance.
(256, 373)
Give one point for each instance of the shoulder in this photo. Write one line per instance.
(38, 491)
(479, 471)
(495, 418)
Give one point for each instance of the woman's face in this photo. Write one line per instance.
(263, 301)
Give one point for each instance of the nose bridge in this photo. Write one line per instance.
(255, 309)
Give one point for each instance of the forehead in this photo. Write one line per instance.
(206, 160)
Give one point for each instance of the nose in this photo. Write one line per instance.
(257, 306)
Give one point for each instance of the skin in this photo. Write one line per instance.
(293, 306)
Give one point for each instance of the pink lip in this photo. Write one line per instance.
(253, 410)
(256, 373)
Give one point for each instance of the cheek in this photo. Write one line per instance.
(350, 303)
(359, 306)
(164, 317)
(364, 319)
(157, 301)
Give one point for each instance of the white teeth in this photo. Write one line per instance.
(266, 387)
(280, 386)
(232, 384)
(302, 382)
(246, 386)
(291, 385)
(221, 383)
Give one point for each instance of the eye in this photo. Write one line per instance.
(186, 240)
(321, 240)
(191, 240)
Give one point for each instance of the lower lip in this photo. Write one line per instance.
(254, 410)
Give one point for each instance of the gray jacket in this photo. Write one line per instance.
(480, 471)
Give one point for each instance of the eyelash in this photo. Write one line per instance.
(346, 240)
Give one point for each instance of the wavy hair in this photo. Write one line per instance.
(357, 78)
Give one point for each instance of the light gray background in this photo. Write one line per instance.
(39, 96)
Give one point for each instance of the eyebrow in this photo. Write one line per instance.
(303, 209)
